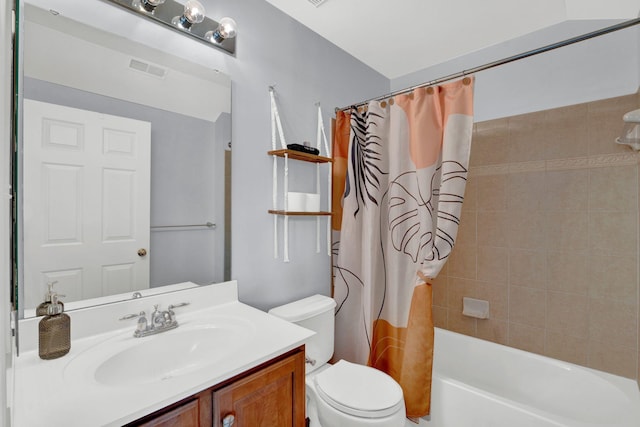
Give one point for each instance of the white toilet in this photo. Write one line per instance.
(344, 394)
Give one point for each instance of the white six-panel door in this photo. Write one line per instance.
(86, 202)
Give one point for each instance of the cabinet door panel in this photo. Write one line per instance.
(185, 415)
(193, 413)
(271, 397)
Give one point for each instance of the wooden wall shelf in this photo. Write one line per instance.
(299, 155)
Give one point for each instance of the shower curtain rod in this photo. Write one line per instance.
(523, 55)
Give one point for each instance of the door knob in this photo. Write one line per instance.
(228, 420)
(142, 252)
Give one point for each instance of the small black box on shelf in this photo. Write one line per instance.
(303, 148)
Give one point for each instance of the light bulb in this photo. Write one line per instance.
(227, 29)
(193, 14)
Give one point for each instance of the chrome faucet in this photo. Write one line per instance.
(159, 321)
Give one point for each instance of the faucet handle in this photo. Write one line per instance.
(131, 316)
(180, 304)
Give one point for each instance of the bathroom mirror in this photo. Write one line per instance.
(122, 167)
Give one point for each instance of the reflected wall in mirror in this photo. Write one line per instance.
(123, 166)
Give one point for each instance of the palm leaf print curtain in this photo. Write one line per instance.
(400, 169)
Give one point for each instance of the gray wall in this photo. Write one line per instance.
(274, 49)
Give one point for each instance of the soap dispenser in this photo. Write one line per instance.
(54, 337)
(41, 310)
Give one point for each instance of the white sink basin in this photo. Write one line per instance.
(125, 360)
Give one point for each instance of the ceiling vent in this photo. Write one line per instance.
(316, 3)
(145, 67)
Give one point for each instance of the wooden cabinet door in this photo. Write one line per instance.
(192, 413)
(271, 397)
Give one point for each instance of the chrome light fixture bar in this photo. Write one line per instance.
(188, 19)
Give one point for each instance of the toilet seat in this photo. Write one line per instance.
(359, 390)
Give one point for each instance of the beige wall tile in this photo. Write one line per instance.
(568, 313)
(493, 229)
(527, 306)
(526, 137)
(568, 285)
(492, 192)
(470, 202)
(614, 359)
(526, 230)
(445, 269)
(526, 338)
(613, 189)
(613, 322)
(604, 123)
(566, 230)
(493, 264)
(613, 233)
(526, 191)
(497, 126)
(440, 317)
(456, 290)
(613, 277)
(462, 261)
(439, 287)
(560, 345)
(490, 143)
(467, 229)
(566, 132)
(493, 330)
(567, 190)
(461, 324)
(527, 268)
(567, 272)
(498, 296)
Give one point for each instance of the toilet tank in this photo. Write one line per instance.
(314, 313)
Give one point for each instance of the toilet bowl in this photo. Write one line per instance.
(351, 395)
(344, 394)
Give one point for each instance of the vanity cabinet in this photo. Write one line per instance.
(270, 395)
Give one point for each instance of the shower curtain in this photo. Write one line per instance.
(400, 169)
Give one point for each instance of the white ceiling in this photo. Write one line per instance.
(398, 37)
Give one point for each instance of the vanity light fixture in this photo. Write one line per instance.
(188, 19)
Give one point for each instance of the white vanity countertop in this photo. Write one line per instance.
(57, 393)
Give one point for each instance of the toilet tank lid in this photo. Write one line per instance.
(304, 308)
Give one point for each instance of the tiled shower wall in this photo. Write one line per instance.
(549, 236)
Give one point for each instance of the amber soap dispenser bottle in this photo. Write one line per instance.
(54, 337)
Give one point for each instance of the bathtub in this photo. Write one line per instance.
(481, 384)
